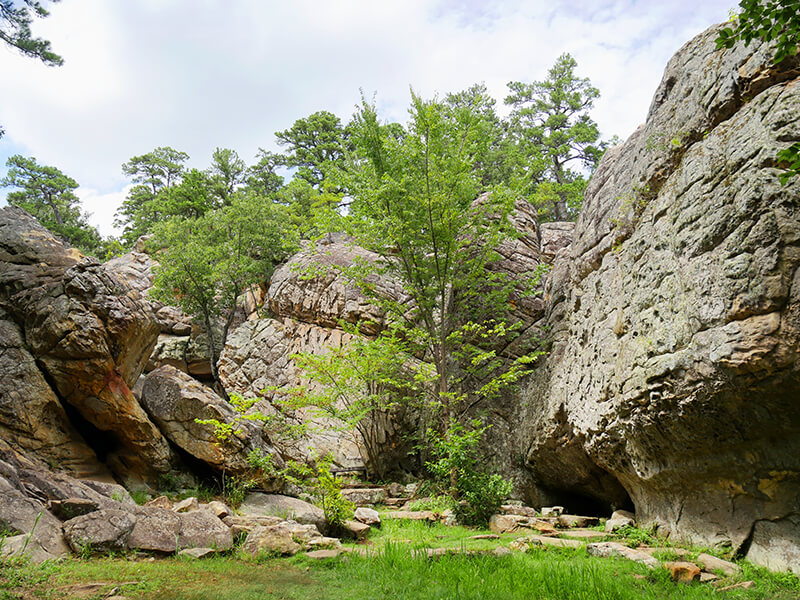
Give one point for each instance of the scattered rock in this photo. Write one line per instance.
(514, 509)
(365, 496)
(683, 572)
(220, 509)
(742, 585)
(485, 536)
(242, 524)
(356, 530)
(368, 516)
(606, 549)
(552, 511)
(201, 528)
(270, 540)
(395, 489)
(324, 542)
(323, 554)
(186, 505)
(713, 563)
(506, 523)
(620, 519)
(104, 530)
(501, 551)
(160, 502)
(412, 515)
(257, 504)
(72, 507)
(708, 577)
(197, 552)
(570, 521)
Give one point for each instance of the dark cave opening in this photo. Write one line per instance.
(101, 442)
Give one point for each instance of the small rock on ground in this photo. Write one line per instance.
(683, 572)
(196, 552)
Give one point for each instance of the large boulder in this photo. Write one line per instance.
(310, 288)
(675, 317)
(175, 401)
(89, 334)
(269, 505)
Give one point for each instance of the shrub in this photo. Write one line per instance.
(476, 495)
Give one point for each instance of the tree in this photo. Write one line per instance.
(152, 173)
(48, 194)
(15, 30)
(207, 263)
(415, 207)
(552, 127)
(775, 20)
(261, 177)
(315, 143)
(226, 174)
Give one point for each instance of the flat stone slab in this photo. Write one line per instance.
(411, 515)
(584, 534)
(323, 554)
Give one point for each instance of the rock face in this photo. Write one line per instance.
(72, 326)
(675, 317)
(174, 400)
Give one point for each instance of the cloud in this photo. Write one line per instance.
(197, 74)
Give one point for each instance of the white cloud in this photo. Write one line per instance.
(200, 74)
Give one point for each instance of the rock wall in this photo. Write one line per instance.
(76, 337)
(675, 316)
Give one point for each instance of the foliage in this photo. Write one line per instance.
(773, 20)
(414, 206)
(226, 174)
(360, 382)
(208, 262)
(261, 177)
(314, 144)
(328, 493)
(15, 29)
(433, 503)
(550, 122)
(478, 495)
(48, 194)
(153, 173)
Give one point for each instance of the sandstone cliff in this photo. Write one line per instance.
(675, 316)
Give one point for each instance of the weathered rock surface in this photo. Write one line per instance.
(309, 287)
(269, 505)
(174, 400)
(88, 334)
(146, 528)
(259, 353)
(675, 317)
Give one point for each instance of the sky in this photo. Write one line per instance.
(201, 74)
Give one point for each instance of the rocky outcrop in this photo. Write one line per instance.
(675, 317)
(310, 287)
(175, 401)
(74, 326)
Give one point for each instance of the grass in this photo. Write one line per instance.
(390, 569)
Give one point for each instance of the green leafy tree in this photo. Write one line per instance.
(49, 195)
(15, 30)
(778, 21)
(153, 173)
(314, 144)
(191, 198)
(359, 383)
(495, 164)
(227, 173)
(207, 263)
(550, 122)
(262, 177)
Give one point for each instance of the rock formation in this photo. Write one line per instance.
(675, 316)
(78, 338)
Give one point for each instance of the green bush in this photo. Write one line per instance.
(328, 491)
(476, 495)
